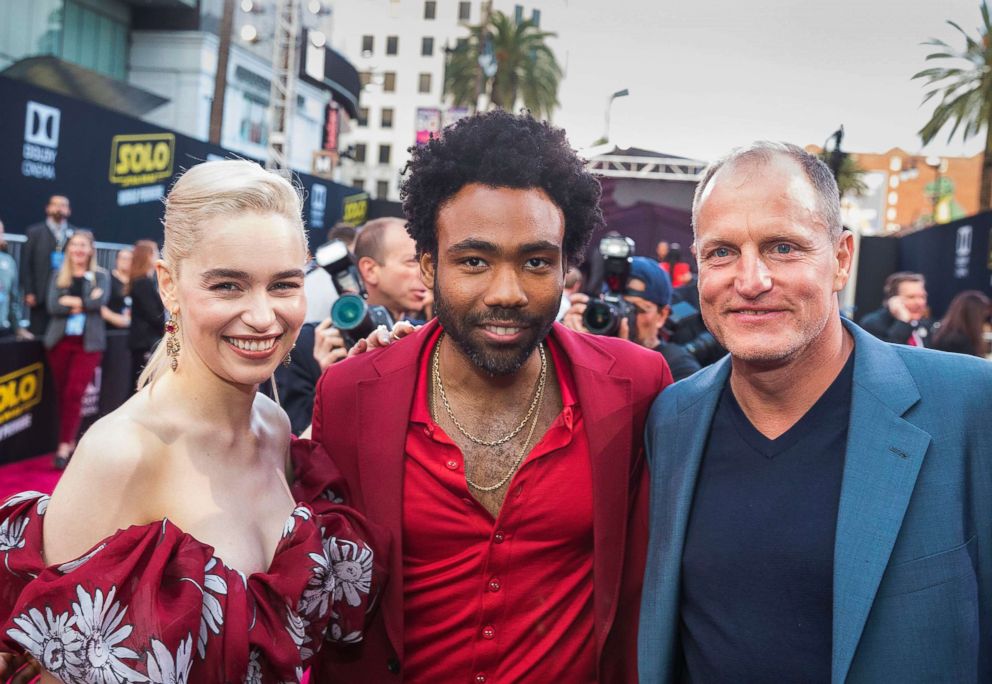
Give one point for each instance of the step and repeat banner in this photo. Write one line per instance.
(114, 169)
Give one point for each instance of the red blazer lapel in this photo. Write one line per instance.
(606, 404)
(383, 415)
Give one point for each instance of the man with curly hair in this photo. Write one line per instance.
(503, 451)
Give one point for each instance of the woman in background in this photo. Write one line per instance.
(116, 313)
(76, 335)
(147, 312)
(962, 330)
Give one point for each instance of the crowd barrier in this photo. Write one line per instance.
(28, 401)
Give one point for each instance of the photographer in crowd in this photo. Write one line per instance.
(649, 292)
(386, 260)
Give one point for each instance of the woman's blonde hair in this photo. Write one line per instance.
(209, 190)
(64, 278)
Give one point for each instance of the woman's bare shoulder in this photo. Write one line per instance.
(109, 484)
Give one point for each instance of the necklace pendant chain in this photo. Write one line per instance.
(436, 372)
(531, 416)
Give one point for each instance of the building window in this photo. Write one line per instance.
(518, 14)
(359, 153)
(464, 11)
(358, 183)
(384, 151)
(424, 86)
(381, 189)
(392, 45)
(367, 46)
(535, 16)
(461, 44)
(364, 77)
(430, 9)
(427, 46)
(254, 120)
(387, 117)
(389, 82)
(363, 116)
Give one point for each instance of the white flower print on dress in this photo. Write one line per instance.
(254, 674)
(298, 626)
(99, 620)
(319, 587)
(211, 611)
(52, 641)
(335, 633)
(164, 669)
(20, 497)
(12, 533)
(66, 568)
(299, 512)
(352, 566)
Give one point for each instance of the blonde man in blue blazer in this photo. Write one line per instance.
(821, 501)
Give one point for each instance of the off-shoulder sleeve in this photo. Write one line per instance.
(153, 604)
(360, 572)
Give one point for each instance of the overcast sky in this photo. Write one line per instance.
(708, 75)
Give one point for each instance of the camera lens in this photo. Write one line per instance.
(600, 318)
(348, 311)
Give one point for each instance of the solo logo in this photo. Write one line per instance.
(42, 124)
(355, 208)
(141, 159)
(20, 391)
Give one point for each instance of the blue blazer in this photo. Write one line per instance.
(913, 548)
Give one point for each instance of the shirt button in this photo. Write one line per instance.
(494, 584)
(452, 465)
(498, 537)
(488, 632)
(480, 678)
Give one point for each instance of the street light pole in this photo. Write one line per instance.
(609, 106)
(282, 97)
(220, 78)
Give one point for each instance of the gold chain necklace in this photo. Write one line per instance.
(436, 372)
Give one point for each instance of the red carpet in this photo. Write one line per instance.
(31, 474)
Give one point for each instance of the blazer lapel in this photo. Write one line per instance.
(883, 458)
(384, 404)
(676, 442)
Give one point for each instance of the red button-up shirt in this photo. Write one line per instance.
(504, 600)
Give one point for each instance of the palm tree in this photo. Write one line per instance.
(523, 71)
(965, 90)
(850, 175)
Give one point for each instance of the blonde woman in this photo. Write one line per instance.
(76, 335)
(174, 548)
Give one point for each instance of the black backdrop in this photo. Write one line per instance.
(114, 168)
(952, 257)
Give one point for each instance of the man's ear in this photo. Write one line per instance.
(845, 259)
(368, 268)
(167, 287)
(427, 272)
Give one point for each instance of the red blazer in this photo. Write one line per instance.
(361, 411)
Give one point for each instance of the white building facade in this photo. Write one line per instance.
(398, 46)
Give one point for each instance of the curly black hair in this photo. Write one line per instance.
(501, 150)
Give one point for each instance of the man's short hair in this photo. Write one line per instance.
(371, 240)
(892, 283)
(761, 152)
(345, 232)
(501, 150)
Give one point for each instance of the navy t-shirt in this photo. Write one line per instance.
(757, 568)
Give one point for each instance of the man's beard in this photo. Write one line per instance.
(507, 360)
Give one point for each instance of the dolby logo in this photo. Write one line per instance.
(42, 124)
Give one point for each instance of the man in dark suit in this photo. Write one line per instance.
(502, 450)
(41, 256)
(902, 319)
(821, 501)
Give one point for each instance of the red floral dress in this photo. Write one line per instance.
(153, 604)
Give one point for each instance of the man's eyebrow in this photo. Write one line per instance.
(540, 246)
(290, 273)
(474, 245)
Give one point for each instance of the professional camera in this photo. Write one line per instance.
(602, 316)
(686, 328)
(350, 313)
